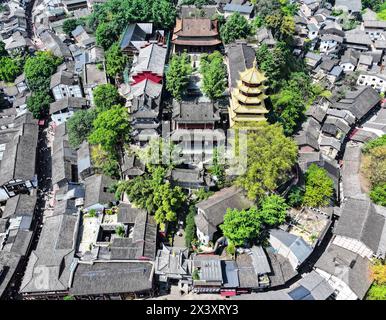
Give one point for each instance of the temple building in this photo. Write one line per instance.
(247, 98)
(196, 35)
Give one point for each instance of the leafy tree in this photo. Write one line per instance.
(111, 129)
(110, 166)
(319, 187)
(266, 7)
(140, 192)
(378, 194)
(241, 226)
(80, 126)
(213, 71)
(288, 109)
(270, 157)
(292, 100)
(235, 27)
(39, 103)
(106, 34)
(231, 249)
(177, 75)
(70, 25)
(378, 142)
(218, 169)
(38, 70)
(374, 5)
(381, 12)
(112, 16)
(190, 227)
(3, 52)
(150, 192)
(105, 162)
(374, 164)
(281, 21)
(116, 61)
(163, 13)
(201, 194)
(274, 63)
(273, 210)
(105, 96)
(295, 197)
(256, 23)
(376, 292)
(10, 68)
(197, 3)
(167, 201)
(378, 272)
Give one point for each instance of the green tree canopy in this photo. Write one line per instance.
(163, 13)
(235, 27)
(104, 161)
(214, 75)
(106, 34)
(273, 210)
(116, 61)
(241, 226)
(110, 18)
(111, 129)
(295, 197)
(10, 68)
(3, 52)
(376, 292)
(270, 158)
(105, 96)
(218, 169)
(80, 126)
(266, 7)
(279, 16)
(190, 227)
(378, 142)
(39, 103)
(319, 187)
(167, 201)
(374, 164)
(202, 194)
(275, 63)
(374, 5)
(177, 75)
(38, 70)
(70, 25)
(158, 197)
(381, 13)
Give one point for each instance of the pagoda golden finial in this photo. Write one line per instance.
(255, 64)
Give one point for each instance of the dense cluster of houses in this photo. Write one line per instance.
(93, 246)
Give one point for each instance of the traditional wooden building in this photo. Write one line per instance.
(247, 98)
(196, 35)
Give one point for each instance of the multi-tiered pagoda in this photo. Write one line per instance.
(247, 99)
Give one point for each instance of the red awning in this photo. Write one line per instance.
(41, 122)
(228, 293)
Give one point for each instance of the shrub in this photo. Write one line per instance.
(378, 194)
(120, 231)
